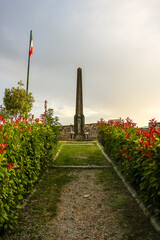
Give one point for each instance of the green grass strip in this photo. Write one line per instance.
(81, 155)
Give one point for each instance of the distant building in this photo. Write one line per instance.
(115, 120)
(145, 128)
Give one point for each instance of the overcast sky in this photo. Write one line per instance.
(115, 42)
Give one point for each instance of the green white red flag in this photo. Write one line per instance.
(31, 45)
(29, 56)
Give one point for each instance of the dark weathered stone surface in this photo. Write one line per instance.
(90, 129)
(66, 132)
(79, 119)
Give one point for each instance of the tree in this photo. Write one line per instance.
(17, 102)
(51, 120)
(3, 112)
(48, 117)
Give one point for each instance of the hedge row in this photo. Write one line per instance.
(26, 148)
(137, 154)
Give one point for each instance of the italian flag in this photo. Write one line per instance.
(31, 45)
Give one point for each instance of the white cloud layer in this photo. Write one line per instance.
(116, 43)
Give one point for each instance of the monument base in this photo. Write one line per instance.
(79, 122)
(79, 138)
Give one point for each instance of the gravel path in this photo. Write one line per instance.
(83, 212)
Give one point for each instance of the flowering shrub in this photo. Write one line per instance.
(25, 151)
(137, 153)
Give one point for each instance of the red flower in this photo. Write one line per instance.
(9, 165)
(2, 146)
(147, 144)
(14, 167)
(146, 134)
(107, 133)
(121, 151)
(37, 120)
(128, 157)
(140, 141)
(127, 135)
(148, 155)
(29, 129)
(153, 122)
(139, 132)
(138, 149)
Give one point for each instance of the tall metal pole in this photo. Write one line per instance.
(28, 62)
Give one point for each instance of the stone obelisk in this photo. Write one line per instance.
(79, 117)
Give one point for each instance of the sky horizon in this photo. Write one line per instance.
(116, 43)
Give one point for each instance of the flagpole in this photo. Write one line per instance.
(28, 62)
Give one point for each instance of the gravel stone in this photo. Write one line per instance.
(81, 217)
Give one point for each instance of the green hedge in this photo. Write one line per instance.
(25, 151)
(137, 154)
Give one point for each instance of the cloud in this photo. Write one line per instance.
(116, 43)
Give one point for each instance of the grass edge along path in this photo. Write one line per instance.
(41, 206)
(132, 223)
(153, 220)
(59, 181)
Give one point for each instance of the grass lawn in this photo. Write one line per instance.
(88, 154)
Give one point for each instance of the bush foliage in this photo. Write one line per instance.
(17, 102)
(137, 154)
(26, 147)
